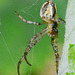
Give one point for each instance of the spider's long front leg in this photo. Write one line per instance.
(32, 42)
(30, 22)
(19, 64)
(55, 47)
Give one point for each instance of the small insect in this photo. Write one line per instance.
(48, 13)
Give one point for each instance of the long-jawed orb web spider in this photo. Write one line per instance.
(48, 13)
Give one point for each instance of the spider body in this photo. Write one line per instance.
(48, 13)
(53, 30)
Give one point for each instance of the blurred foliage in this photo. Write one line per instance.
(15, 36)
(71, 59)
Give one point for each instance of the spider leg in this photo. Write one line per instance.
(19, 64)
(62, 20)
(33, 42)
(38, 34)
(55, 47)
(30, 22)
(58, 20)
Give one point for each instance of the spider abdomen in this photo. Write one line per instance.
(48, 11)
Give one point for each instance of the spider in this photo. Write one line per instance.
(48, 13)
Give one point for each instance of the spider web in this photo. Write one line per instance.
(4, 41)
(7, 48)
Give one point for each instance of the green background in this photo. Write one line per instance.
(15, 36)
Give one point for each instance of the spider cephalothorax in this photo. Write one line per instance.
(48, 13)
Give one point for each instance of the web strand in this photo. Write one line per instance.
(7, 48)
